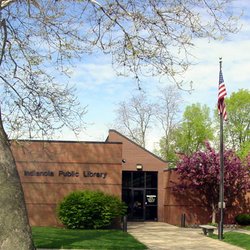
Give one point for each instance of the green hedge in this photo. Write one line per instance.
(243, 219)
(90, 210)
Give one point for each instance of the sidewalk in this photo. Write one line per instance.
(162, 236)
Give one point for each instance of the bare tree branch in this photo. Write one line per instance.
(134, 118)
(4, 27)
(144, 38)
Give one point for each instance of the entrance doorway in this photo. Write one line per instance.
(139, 192)
(138, 204)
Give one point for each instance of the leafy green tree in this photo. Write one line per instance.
(244, 151)
(190, 134)
(167, 148)
(237, 128)
(195, 129)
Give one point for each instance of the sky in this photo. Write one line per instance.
(100, 89)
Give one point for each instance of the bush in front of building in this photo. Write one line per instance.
(243, 219)
(90, 210)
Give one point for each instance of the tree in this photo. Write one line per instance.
(40, 37)
(194, 130)
(15, 230)
(146, 37)
(32, 102)
(134, 117)
(167, 111)
(32, 105)
(201, 172)
(237, 129)
(244, 151)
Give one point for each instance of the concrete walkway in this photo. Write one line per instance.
(162, 236)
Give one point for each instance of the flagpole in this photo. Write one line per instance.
(221, 202)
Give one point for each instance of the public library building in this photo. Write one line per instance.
(50, 170)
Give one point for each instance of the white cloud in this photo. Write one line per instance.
(205, 74)
(100, 87)
(90, 76)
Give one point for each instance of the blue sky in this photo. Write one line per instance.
(101, 89)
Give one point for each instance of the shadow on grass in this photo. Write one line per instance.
(47, 237)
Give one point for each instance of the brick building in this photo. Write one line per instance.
(49, 170)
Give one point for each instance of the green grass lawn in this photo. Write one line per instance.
(237, 239)
(246, 227)
(49, 237)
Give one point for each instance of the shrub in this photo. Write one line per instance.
(243, 219)
(89, 209)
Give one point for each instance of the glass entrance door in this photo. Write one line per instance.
(139, 192)
(138, 204)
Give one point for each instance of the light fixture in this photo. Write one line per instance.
(139, 166)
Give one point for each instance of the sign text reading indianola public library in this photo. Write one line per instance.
(63, 173)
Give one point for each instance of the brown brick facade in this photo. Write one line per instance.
(49, 170)
(133, 155)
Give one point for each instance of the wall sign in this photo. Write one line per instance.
(62, 173)
(94, 174)
(151, 198)
(38, 173)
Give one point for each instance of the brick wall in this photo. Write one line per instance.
(51, 170)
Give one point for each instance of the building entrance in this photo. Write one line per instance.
(139, 192)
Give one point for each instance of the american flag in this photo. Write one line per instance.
(222, 93)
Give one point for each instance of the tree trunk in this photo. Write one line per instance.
(213, 214)
(15, 232)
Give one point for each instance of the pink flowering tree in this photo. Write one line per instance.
(201, 172)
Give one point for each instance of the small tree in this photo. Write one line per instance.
(238, 126)
(194, 129)
(201, 172)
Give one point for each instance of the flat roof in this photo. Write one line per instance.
(65, 141)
